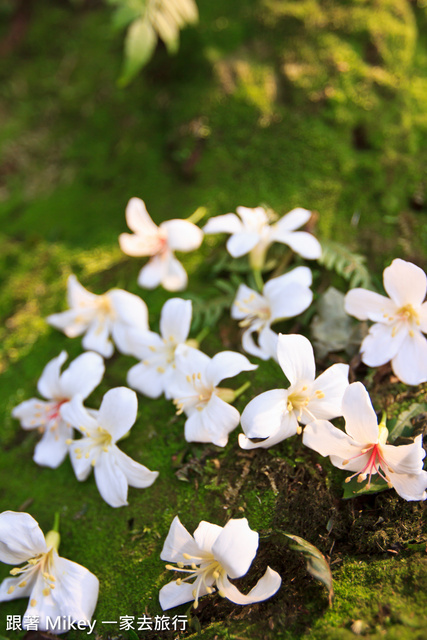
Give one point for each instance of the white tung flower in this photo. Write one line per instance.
(159, 242)
(81, 377)
(152, 376)
(400, 321)
(364, 449)
(196, 393)
(252, 233)
(57, 588)
(209, 558)
(283, 297)
(275, 415)
(113, 313)
(97, 449)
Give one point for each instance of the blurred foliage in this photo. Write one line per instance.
(145, 21)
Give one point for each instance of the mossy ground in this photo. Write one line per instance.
(315, 104)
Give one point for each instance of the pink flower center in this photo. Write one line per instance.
(375, 464)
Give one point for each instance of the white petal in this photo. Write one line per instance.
(381, 344)
(182, 235)
(129, 309)
(78, 296)
(20, 537)
(16, 591)
(49, 385)
(332, 383)
(246, 302)
(173, 594)
(410, 487)
(410, 362)
(263, 416)
(144, 344)
(178, 541)
(82, 466)
(213, 423)
(175, 319)
(82, 376)
(139, 245)
(77, 415)
(151, 275)
(97, 338)
(405, 283)
(189, 360)
(73, 323)
(254, 219)
(110, 480)
(300, 275)
(241, 243)
(360, 419)
(138, 219)
(227, 364)
(136, 474)
(268, 341)
(236, 547)
(422, 311)
(117, 413)
(406, 458)
(296, 357)
(249, 345)
(205, 536)
(52, 448)
(292, 220)
(327, 440)
(229, 223)
(304, 244)
(368, 305)
(290, 302)
(146, 379)
(33, 413)
(266, 587)
(76, 593)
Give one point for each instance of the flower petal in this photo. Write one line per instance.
(10, 589)
(296, 357)
(178, 541)
(249, 345)
(405, 458)
(49, 384)
(290, 301)
(241, 243)
(138, 218)
(368, 305)
(175, 320)
(77, 415)
(292, 220)
(206, 535)
(405, 283)
(266, 587)
(227, 364)
(213, 423)
(151, 275)
(410, 362)
(247, 302)
(182, 235)
(332, 383)
(78, 296)
(117, 413)
(33, 413)
(96, 338)
(228, 223)
(361, 422)
(381, 344)
(137, 475)
(20, 537)
(52, 448)
(82, 376)
(82, 466)
(236, 547)
(110, 480)
(129, 309)
(175, 278)
(77, 592)
(263, 416)
(410, 487)
(300, 275)
(327, 440)
(174, 594)
(302, 243)
(146, 379)
(73, 323)
(267, 340)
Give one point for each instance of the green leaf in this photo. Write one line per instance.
(132, 635)
(317, 565)
(139, 46)
(402, 425)
(353, 488)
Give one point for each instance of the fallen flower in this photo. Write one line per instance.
(400, 321)
(81, 377)
(274, 415)
(159, 242)
(57, 588)
(115, 313)
(214, 554)
(152, 376)
(252, 233)
(195, 391)
(97, 449)
(363, 447)
(283, 297)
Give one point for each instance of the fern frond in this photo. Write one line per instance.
(350, 266)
